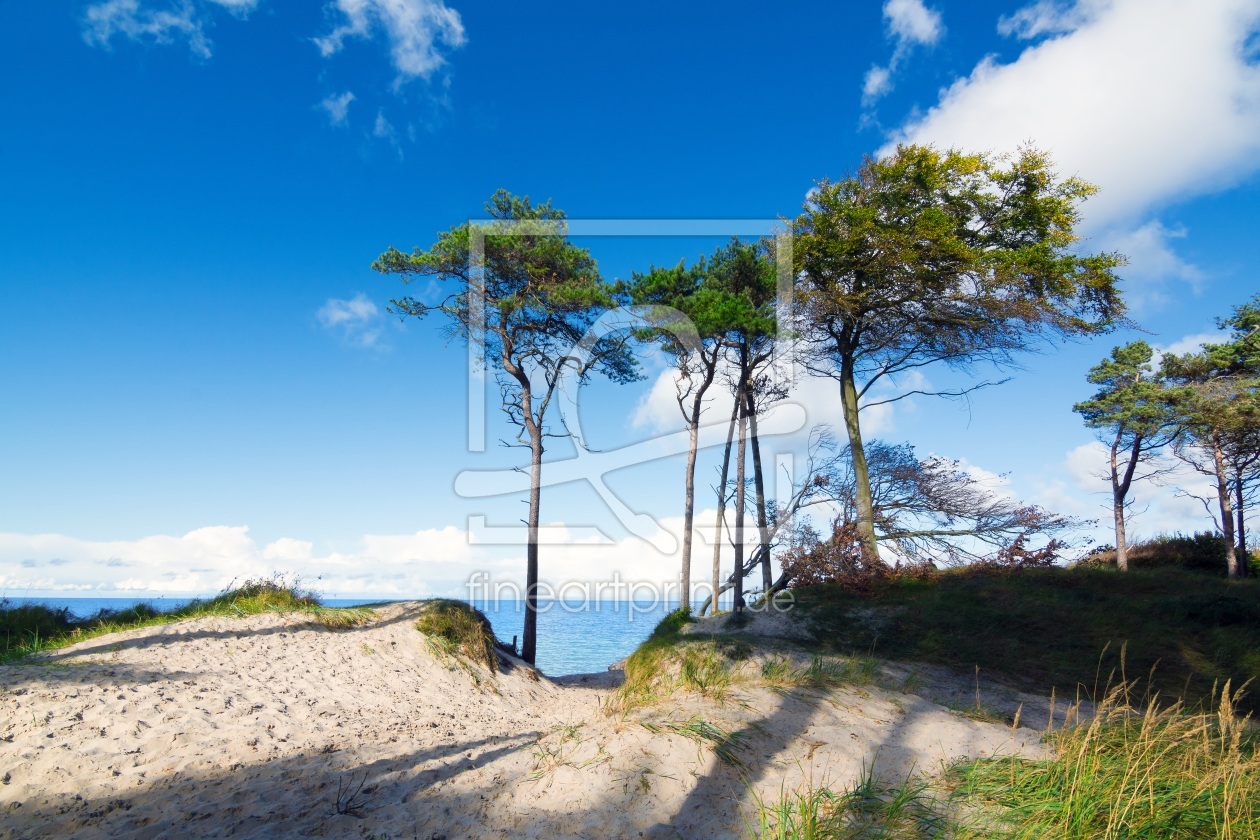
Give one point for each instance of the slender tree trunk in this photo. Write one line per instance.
(1120, 491)
(740, 481)
(861, 474)
(721, 510)
(1117, 511)
(1244, 558)
(763, 524)
(693, 443)
(529, 636)
(1227, 509)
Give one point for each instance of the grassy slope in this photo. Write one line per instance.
(1183, 630)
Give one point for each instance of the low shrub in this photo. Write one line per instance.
(1201, 552)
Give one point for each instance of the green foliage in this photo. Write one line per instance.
(1131, 772)
(1132, 400)
(456, 627)
(28, 629)
(1046, 628)
(731, 293)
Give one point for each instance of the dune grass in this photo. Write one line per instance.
(455, 628)
(27, 629)
(1046, 628)
(1136, 769)
(1145, 770)
(868, 808)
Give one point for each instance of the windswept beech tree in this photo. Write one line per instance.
(1221, 415)
(1133, 411)
(539, 295)
(940, 258)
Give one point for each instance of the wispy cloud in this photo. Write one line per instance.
(337, 106)
(358, 321)
(418, 32)
(910, 23)
(1153, 263)
(133, 21)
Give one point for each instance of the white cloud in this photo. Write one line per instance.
(1152, 263)
(1048, 17)
(337, 106)
(876, 82)
(910, 24)
(434, 561)
(418, 31)
(358, 320)
(657, 411)
(1190, 344)
(1156, 101)
(182, 20)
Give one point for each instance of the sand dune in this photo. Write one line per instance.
(266, 726)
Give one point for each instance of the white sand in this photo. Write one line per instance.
(246, 727)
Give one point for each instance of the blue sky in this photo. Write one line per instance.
(199, 380)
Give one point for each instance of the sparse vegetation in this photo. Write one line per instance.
(35, 628)
(869, 808)
(453, 627)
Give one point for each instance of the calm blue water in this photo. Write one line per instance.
(572, 638)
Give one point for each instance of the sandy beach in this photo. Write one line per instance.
(270, 725)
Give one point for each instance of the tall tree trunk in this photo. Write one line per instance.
(721, 510)
(740, 481)
(693, 443)
(1117, 510)
(1244, 559)
(1120, 491)
(861, 474)
(1227, 508)
(763, 524)
(529, 636)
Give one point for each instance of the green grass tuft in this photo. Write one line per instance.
(454, 627)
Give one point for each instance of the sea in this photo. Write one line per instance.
(573, 638)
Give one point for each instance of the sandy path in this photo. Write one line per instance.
(247, 727)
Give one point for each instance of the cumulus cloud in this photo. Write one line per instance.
(136, 22)
(910, 24)
(1156, 101)
(419, 31)
(337, 106)
(433, 561)
(359, 321)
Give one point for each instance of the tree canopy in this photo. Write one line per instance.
(941, 258)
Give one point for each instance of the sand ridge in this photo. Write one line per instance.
(268, 725)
